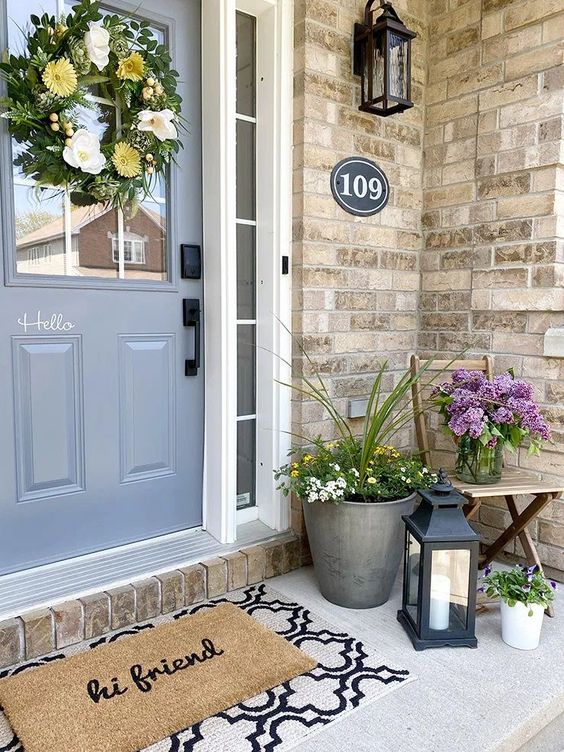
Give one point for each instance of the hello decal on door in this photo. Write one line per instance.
(55, 323)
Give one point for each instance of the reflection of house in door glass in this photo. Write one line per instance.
(94, 243)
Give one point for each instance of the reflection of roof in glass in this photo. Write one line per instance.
(80, 216)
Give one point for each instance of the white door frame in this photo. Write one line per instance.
(274, 212)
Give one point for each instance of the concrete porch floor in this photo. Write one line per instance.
(493, 699)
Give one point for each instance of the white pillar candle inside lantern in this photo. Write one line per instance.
(439, 613)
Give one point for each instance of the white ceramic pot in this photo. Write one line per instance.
(518, 629)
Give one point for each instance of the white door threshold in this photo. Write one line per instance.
(74, 578)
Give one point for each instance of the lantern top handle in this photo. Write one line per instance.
(387, 8)
(443, 486)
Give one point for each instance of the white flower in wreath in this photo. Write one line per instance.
(84, 152)
(159, 123)
(97, 42)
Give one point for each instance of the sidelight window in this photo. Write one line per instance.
(246, 261)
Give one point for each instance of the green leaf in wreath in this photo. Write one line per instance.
(81, 198)
(90, 80)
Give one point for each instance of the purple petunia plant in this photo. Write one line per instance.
(521, 584)
(501, 410)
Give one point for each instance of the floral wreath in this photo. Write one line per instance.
(48, 85)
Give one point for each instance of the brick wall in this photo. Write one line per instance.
(356, 281)
(479, 265)
(492, 271)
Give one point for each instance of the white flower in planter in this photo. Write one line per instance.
(97, 42)
(159, 123)
(83, 152)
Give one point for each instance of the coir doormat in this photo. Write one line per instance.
(349, 674)
(123, 696)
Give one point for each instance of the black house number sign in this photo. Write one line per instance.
(359, 186)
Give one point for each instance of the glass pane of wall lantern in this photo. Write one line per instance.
(382, 58)
(440, 571)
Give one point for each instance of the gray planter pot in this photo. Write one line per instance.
(356, 549)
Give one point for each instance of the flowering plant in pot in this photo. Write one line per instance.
(486, 416)
(354, 492)
(525, 593)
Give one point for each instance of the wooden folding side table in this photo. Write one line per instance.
(513, 483)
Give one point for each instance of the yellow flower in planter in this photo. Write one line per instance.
(131, 67)
(127, 160)
(60, 78)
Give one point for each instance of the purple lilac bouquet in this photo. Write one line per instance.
(500, 411)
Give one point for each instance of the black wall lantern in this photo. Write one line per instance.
(382, 57)
(440, 571)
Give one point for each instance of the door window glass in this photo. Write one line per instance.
(246, 261)
(55, 238)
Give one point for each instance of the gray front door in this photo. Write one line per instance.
(101, 430)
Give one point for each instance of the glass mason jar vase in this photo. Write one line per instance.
(476, 463)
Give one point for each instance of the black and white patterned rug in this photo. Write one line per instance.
(349, 674)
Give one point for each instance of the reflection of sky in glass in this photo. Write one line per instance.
(19, 12)
(155, 209)
(33, 211)
(17, 149)
(99, 120)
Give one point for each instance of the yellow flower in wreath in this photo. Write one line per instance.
(131, 68)
(127, 160)
(60, 77)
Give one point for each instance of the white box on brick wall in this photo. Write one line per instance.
(554, 342)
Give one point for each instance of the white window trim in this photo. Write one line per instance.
(137, 248)
(274, 187)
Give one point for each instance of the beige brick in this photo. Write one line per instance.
(216, 573)
(147, 599)
(236, 570)
(533, 10)
(442, 112)
(69, 623)
(492, 24)
(122, 606)
(504, 45)
(528, 253)
(475, 79)
(194, 583)
(525, 206)
(458, 194)
(447, 280)
(504, 185)
(535, 109)
(172, 590)
(538, 59)
(39, 633)
(256, 562)
(96, 615)
(11, 642)
(492, 232)
(515, 91)
(537, 299)
(276, 562)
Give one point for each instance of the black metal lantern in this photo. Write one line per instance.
(440, 571)
(382, 57)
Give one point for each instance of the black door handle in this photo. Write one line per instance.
(191, 317)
